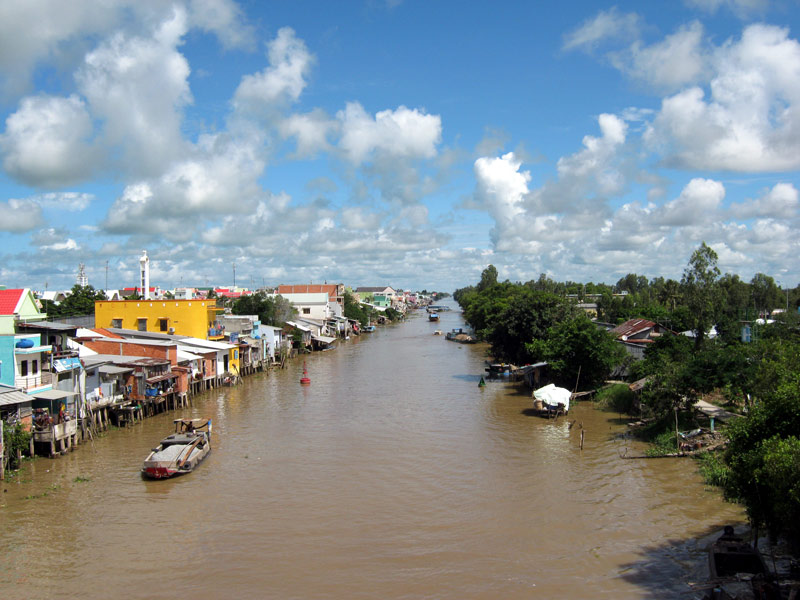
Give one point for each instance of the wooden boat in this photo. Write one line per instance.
(433, 316)
(498, 369)
(551, 401)
(732, 562)
(181, 451)
(730, 555)
(460, 336)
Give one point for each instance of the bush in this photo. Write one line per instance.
(15, 441)
(713, 469)
(618, 398)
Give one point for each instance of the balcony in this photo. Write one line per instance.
(34, 383)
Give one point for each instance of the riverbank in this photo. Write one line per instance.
(392, 475)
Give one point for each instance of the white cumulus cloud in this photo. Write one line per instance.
(138, 86)
(47, 141)
(283, 80)
(401, 133)
(750, 121)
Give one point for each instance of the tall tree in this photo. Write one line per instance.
(701, 290)
(765, 293)
(488, 278)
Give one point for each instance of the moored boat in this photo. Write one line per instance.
(732, 562)
(461, 336)
(181, 451)
(549, 401)
(433, 316)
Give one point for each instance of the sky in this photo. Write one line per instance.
(396, 142)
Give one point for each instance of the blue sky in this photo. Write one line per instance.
(396, 142)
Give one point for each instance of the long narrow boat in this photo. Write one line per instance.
(181, 451)
(734, 562)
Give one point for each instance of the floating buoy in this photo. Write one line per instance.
(305, 380)
(482, 383)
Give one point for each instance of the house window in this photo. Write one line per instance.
(35, 367)
(306, 311)
(116, 323)
(23, 368)
(142, 324)
(162, 324)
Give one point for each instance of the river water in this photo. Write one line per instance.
(393, 475)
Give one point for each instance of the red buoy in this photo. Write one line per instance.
(304, 380)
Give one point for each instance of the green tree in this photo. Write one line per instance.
(79, 302)
(765, 293)
(577, 350)
(701, 290)
(488, 278)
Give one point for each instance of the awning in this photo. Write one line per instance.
(184, 356)
(323, 338)
(54, 395)
(114, 370)
(11, 398)
(158, 378)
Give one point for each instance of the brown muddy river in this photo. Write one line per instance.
(392, 476)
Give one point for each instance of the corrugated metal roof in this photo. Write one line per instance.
(632, 327)
(114, 370)
(54, 394)
(14, 397)
(48, 325)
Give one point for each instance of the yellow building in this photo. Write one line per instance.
(193, 318)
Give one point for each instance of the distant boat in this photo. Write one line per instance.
(369, 328)
(180, 452)
(461, 336)
(433, 316)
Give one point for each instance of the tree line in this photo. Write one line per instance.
(757, 376)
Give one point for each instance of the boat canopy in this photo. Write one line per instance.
(553, 396)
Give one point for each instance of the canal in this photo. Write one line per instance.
(393, 475)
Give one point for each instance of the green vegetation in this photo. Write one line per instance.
(271, 311)
(758, 378)
(80, 302)
(525, 324)
(16, 442)
(353, 309)
(617, 398)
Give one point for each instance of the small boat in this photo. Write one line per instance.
(498, 369)
(433, 316)
(550, 401)
(180, 452)
(733, 561)
(437, 332)
(460, 336)
(369, 328)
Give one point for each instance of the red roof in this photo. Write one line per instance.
(9, 301)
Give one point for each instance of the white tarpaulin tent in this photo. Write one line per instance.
(552, 396)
